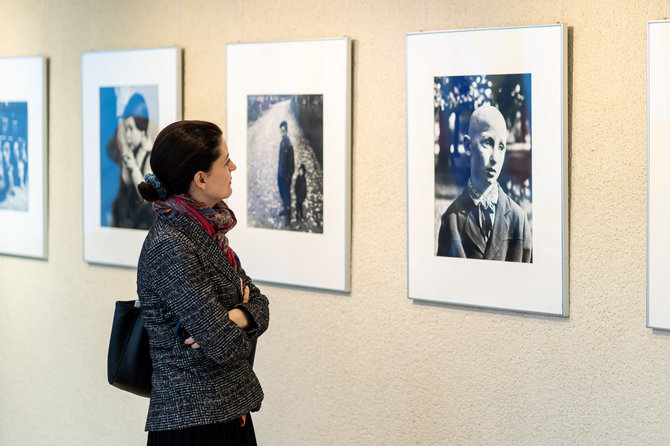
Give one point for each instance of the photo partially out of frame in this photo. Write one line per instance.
(14, 181)
(127, 97)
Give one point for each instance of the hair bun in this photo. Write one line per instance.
(157, 185)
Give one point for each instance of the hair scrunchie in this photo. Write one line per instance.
(157, 185)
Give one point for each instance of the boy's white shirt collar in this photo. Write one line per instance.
(487, 199)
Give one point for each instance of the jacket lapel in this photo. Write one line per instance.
(209, 247)
(500, 226)
(220, 260)
(471, 229)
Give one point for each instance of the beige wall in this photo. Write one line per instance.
(370, 367)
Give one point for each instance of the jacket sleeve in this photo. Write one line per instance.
(291, 159)
(184, 282)
(449, 243)
(257, 308)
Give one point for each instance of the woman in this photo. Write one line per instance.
(202, 312)
(130, 148)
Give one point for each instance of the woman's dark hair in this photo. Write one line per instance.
(181, 149)
(136, 108)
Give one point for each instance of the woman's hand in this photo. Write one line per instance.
(128, 160)
(125, 152)
(190, 341)
(245, 292)
(238, 316)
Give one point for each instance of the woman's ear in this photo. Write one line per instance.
(200, 180)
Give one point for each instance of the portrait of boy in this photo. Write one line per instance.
(483, 222)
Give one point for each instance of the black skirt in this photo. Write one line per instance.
(230, 433)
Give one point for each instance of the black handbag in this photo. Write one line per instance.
(128, 360)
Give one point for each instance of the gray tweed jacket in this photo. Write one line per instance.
(184, 277)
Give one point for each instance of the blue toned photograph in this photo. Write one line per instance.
(483, 178)
(128, 127)
(14, 156)
(285, 162)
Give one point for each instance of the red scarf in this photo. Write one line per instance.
(216, 221)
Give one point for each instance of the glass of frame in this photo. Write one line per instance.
(289, 132)
(23, 156)
(658, 120)
(487, 213)
(127, 97)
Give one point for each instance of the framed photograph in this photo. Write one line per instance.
(487, 213)
(23, 156)
(289, 132)
(658, 120)
(127, 97)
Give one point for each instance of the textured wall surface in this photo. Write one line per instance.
(370, 367)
